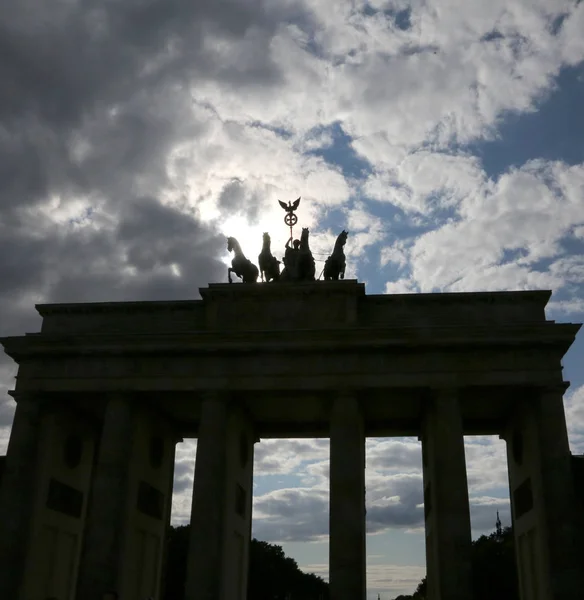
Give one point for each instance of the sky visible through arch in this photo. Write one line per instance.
(445, 135)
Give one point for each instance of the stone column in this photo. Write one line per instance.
(176, 439)
(347, 558)
(543, 500)
(559, 500)
(446, 505)
(101, 559)
(205, 556)
(217, 561)
(18, 494)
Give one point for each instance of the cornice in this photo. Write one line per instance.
(84, 308)
(468, 298)
(560, 335)
(288, 290)
(265, 291)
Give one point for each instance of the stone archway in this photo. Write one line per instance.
(321, 359)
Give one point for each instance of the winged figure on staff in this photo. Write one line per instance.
(291, 206)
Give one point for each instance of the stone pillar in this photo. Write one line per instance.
(174, 440)
(218, 555)
(347, 557)
(18, 495)
(101, 562)
(446, 505)
(543, 500)
(64, 470)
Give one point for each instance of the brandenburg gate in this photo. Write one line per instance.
(105, 391)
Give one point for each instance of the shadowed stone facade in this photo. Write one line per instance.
(105, 391)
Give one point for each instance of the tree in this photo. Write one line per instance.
(494, 568)
(272, 574)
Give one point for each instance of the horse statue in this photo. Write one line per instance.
(334, 266)
(269, 264)
(241, 266)
(305, 267)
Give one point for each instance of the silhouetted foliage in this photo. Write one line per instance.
(272, 574)
(494, 568)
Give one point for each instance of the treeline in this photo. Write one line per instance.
(272, 574)
(494, 568)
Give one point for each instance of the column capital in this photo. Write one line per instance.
(345, 404)
(439, 401)
(444, 393)
(214, 396)
(345, 394)
(29, 398)
(559, 388)
(119, 399)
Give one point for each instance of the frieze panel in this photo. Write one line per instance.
(426, 310)
(290, 306)
(130, 317)
(289, 313)
(285, 363)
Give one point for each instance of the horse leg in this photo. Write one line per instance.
(229, 270)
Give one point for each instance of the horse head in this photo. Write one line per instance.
(231, 244)
(266, 238)
(343, 237)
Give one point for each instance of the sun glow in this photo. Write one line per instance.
(250, 236)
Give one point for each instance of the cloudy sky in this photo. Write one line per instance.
(446, 135)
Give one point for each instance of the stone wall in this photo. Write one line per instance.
(314, 305)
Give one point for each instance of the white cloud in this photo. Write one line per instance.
(283, 457)
(527, 211)
(292, 514)
(574, 408)
(401, 286)
(425, 181)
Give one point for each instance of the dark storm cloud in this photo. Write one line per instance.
(400, 504)
(106, 73)
(292, 515)
(395, 454)
(301, 514)
(61, 59)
